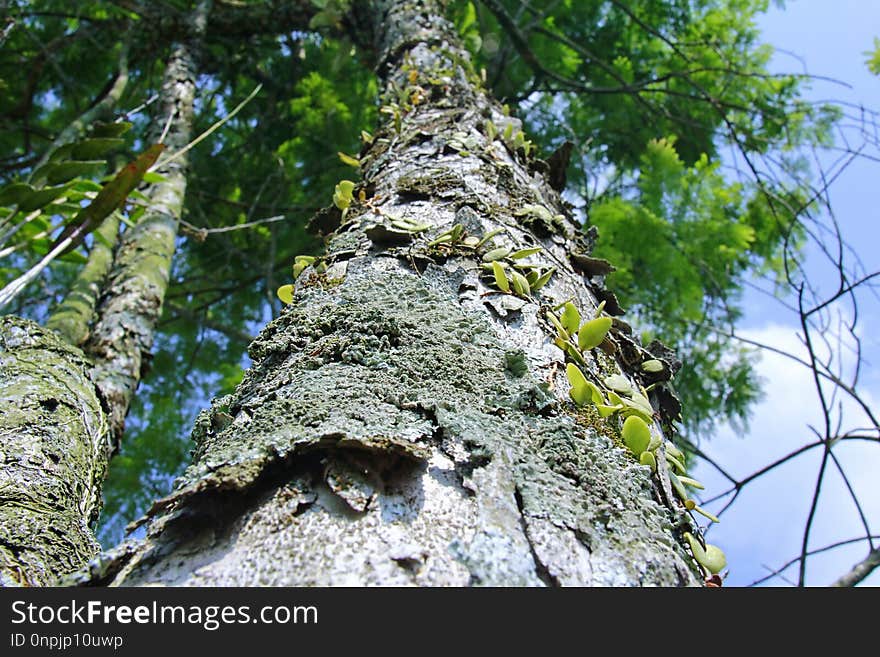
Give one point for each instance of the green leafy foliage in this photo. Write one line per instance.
(873, 61)
(682, 240)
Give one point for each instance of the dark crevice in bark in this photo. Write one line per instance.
(540, 569)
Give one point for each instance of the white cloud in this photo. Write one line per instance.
(764, 526)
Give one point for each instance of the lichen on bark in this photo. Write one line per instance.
(73, 315)
(53, 454)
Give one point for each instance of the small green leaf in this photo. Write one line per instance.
(450, 236)
(711, 557)
(580, 391)
(675, 452)
(693, 483)
(675, 463)
(153, 177)
(618, 383)
(42, 197)
(708, 515)
(630, 410)
(342, 195)
(525, 253)
(116, 129)
(543, 279)
(652, 365)
(572, 352)
(571, 318)
(15, 193)
(536, 210)
(636, 434)
(298, 268)
(641, 402)
(607, 411)
(485, 238)
(500, 277)
(349, 160)
(74, 257)
(563, 334)
(285, 293)
(89, 149)
(55, 173)
(345, 187)
(647, 458)
(520, 284)
(496, 254)
(592, 333)
(677, 486)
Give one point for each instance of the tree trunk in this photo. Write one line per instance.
(53, 455)
(404, 421)
(72, 317)
(131, 302)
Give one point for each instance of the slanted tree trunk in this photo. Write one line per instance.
(53, 455)
(131, 303)
(72, 317)
(404, 422)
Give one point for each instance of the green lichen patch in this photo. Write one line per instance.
(53, 455)
(359, 364)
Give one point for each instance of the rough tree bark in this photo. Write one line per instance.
(53, 455)
(404, 422)
(131, 300)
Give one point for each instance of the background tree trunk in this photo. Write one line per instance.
(131, 303)
(404, 422)
(72, 317)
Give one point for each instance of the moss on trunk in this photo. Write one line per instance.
(53, 454)
(73, 315)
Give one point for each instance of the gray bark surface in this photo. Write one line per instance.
(404, 422)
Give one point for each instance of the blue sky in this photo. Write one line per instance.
(763, 528)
